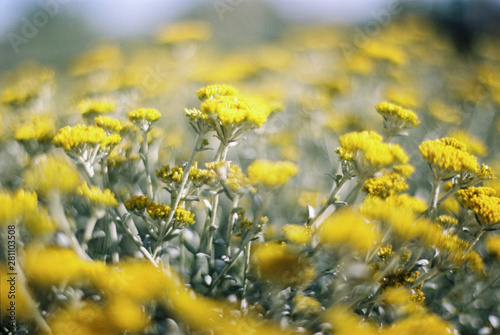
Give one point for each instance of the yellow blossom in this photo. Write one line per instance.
(52, 173)
(124, 314)
(368, 152)
(48, 266)
(388, 184)
(402, 96)
(447, 157)
(345, 322)
(156, 210)
(446, 220)
(39, 222)
(97, 196)
(104, 57)
(40, 128)
(213, 91)
(396, 118)
(148, 114)
(385, 252)
(404, 170)
(281, 265)
(271, 174)
(16, 204)
(445, 113)
(347, 228)
(136, 203)
(108, 124)
(91, 107)
(381, 50)
(25, 307)
(80, 137)
(298, 234)
(483, 202)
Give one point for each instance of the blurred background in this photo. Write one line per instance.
(52, 30)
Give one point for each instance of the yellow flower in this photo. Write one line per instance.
(52, 173)
(388, 184)
(82, 137)
(90, 107)
(427, 324)
(396, 118)
(39, 222)
(346, 322)
(48, 266)
(25, 306)
(143, 118)
(271, 174)
(213, 91)
(347, 228)
(40, 128)
(404, 170)
(184, 31)
(298, 234)
(97, 196)
(381, 50)
(184, 216)
(123, 314)
(136, 203)
(493, 245)
(234, 110)
(16, 205)
(445, 113)
(108, 124)
(385, 252)
(447, 157)
(483, 202)
(156, 210)
(103, 57)
(402, 96)
(368, 152)
(280, 265)
(473, 145)
(446, 220)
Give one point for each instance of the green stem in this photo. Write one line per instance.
(330, 200)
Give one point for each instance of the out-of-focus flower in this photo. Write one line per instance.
(473, 145)
(348, 228)
(108, 124)
(85, 140)
(97, 196)
(103, 57)
(280, 265)
(39, 128)
(16, 204)
(307, 306)
(298, 234)
(493, 245)
(52, 173)
(93, 107)
(184, 31)
(270, 174)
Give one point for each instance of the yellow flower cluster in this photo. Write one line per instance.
(185, 31)
(104, 57)
(447, 157)
(147, 114)
(52, 173)
(483, 202)
(234, 110)
(397, 116)
(298, 234)
(16, 204)
(80, 136)
(307, 306)
(97, 196)
(447, 220)
(213, 91)
(368, 151)
(236, 180)
(271, 174)
(40, 128)
(281, 265)
(91, 107)
(386, 185)
(156, 210)
(348, 228)
(108, 124)
(169, 175)
(473, 145)
(136, 203)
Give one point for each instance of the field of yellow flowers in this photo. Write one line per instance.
(311, 185)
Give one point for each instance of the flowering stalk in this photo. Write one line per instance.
(145, 160)
(436, 184)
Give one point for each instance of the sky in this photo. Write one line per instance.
(128, 17)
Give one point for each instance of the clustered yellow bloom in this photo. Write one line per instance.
(367, 151)
(388, 184)
(270, 174)
(108, 124)
(97, 196)
(396, 118)
(280, 265)
(39, 222)
(52, 173)
(347, 228)
(104, 57)
(184, 31)
(447, 157)
(80, 137)
(148, 114)
(40, 128)
(156, 210)
(298, 234)
(91, 106)
(16, 204)
(234, 110)
(483, 202)
(136, 203)
(307, 306)
(213, 91)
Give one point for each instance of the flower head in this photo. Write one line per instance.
(97, 196)
(234, 110)
(17, 204)
(91, 107)
(447, 157)
(483, 202)
(213, 91)
(82, 137)
(108, 124)
(298, 234)
(143, 118)
(40, 128)
(388, 184)
(185, 31)
(396, 118)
